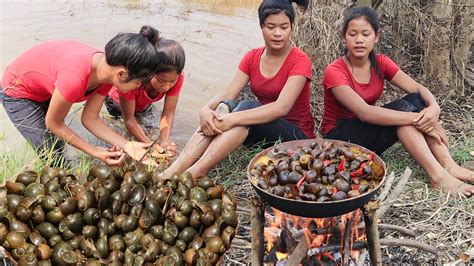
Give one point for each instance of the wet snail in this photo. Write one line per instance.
(118, 216)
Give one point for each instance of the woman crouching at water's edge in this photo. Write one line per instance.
(279, 75)
(352, 85)
(166, 83)
(41, 85)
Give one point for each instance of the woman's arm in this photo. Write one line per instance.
(369, 113)
(57, 112)
(167, 119)
(128, 111)
(268, 112)
(91, 121)
(207, 114)
(427, 118)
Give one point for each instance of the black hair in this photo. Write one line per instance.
(371, 16)
(134, 51)
(272, 7)
(170, 56)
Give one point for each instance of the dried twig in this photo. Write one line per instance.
(409, 243)
(398, 228)
(299, 253)
(394, 194)
(388, 185)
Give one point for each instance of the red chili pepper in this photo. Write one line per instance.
(300, 182)
(355, 187)
(360, 171)
(326, 162)
(290, 153)
(371, 156)
(341, 165)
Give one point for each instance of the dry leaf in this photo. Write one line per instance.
(467, 255)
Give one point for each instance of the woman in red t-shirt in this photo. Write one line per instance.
(352, 85)
(167, 83)
(279, 75)
(41, 85)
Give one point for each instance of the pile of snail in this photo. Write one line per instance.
(117, 217)
(317, 172)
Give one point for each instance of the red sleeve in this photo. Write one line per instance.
(301, 66)
(104, 89)
(335, 75)
(387, 66)
(70, 85)
(247, 61)
(177, 87)
(131, 95)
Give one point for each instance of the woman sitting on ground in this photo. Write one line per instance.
(167, 83)
(352, 85)
(279, 75)
(41, 85)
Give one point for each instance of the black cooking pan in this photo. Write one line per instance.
(310, 208)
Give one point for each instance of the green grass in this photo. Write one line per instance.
(13, 163)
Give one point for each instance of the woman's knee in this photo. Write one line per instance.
(406, 129)
(246, 105)
(416, 100)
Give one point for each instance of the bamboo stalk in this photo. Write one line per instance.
(257, 220)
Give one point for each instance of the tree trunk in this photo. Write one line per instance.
(463, 26)
(436, 45)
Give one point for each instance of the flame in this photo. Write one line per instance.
(271, 234)
(279, 220)
(281, 256)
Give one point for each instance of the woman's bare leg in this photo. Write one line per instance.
(441, 152)
(415, 142)
(219, 148)
(193, 150)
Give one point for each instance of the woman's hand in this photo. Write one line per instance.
(111, 156)
(135, 149)
(437, 133)
(208, 118)
(427, 119)
(225, 123)
(170, 147)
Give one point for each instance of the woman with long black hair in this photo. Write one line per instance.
(352, 85)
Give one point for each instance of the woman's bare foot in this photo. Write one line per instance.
(461, 173)
(451, 184)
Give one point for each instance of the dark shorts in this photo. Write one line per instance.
(29, 118)
(269, 133)
(115, 110)
(374, 137)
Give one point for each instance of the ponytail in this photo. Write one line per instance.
(152, 34)
(374, 65)
(134, 51)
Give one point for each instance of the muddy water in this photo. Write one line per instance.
(214, 33)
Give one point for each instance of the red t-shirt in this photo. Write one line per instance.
(338, 74)
(141, 98)
(61, 64)
(267, 90)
